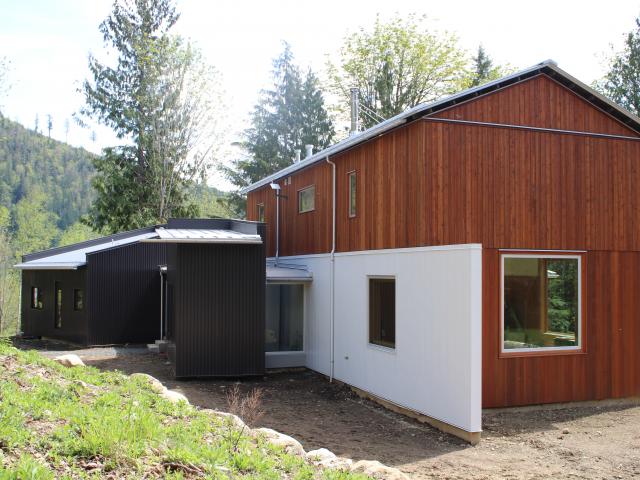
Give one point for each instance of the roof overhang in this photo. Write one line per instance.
(49, 265)
(548, 67)
(281, 274)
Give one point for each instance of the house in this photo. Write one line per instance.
(478, 251)
(197, 283)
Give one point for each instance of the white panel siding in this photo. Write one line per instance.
(435, 368)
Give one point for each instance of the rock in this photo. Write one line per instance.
(69, 360)
(377, 470)
(156, 385)
(327, 459)
(290, 444)
(174, 397)
(565, 431)
(227, 417)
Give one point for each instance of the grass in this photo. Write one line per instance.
(58, 422)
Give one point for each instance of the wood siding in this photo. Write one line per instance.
(538, 102)
(435, 182)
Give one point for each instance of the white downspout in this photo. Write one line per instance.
(333, 265)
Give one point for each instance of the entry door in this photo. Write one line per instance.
(57, 311)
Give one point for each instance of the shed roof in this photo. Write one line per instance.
(199, 235)
(548, 67)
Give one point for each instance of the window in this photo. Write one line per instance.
(78, 299)
(352, 194)
(37, 298)
(261, 212)
(382, 312)
(284, 318)
(307, 199)
(57, 312)
(541, 302)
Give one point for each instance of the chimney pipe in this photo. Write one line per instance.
(297, 157)
(309, 149)
(355, 112)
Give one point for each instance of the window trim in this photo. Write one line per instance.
(309, 187)
(579, 349)
(258, 205)
(377, 346)
(355, 207)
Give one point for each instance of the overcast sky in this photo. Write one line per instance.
(48, 42)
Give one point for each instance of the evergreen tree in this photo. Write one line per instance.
(49, 125)
(287, 117)
(622, 82)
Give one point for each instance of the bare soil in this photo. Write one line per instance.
(593, 441)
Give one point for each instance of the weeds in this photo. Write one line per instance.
(247, 407)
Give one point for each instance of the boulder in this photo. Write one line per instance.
(69, 360)
(174, 397)
(375, 469)
(156, 385)
(290, 444)
(327, 459)
(227, 417)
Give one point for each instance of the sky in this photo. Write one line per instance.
(48, 42)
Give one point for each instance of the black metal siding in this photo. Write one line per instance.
(218, 310)
(41, 322)
(124, 289)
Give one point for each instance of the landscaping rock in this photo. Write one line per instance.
(377, 470)
(156, 385)
(69, 360)
(235, 420)
(290, 444)
(174, 397)
(327, 459)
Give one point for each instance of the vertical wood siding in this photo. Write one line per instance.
(438, 183)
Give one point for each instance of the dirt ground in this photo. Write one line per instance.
(594, 441)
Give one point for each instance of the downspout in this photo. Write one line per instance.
(333, 265)
(277, 226)
(161, 302)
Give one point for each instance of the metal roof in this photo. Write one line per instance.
(548, 67)
(69, 258)
(197, 235)
(283, 274)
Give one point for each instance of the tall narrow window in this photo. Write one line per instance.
(541, 302)
(261, 212)
(382, 312)
(78, 299)
(307, 199)
(36, 298)
(352, 194)
(58, 306)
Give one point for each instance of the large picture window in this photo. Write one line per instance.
(541, 302)
(307, 199)
(382, 312)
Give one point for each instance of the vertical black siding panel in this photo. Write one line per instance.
(124, 286)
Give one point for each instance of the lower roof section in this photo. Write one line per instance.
(199, 235)
(288, 274)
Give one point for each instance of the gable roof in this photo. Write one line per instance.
(548, 67)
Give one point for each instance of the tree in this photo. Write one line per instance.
(4, 78)
(287, 117)
(77, 232)
(622, 82)
(49, 124)
(35, 226)
(483, 70)
(163, 99)
(36, 125)
(66, 130)
(9, 280)
(397, 65)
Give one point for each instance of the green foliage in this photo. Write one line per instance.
(287, 117)
(622, 82)
(35, 226)
(31, 162)
(484, 70)
(562, 294)
(78, 232)
(71, 416)
(397, 65)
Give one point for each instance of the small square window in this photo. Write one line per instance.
(382, 312)
(260, 208)
(307, 199)
(352, 194)
(78, 299)
(37, 300)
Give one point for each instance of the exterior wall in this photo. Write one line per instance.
(124, 294)
(438, 322)
(41, 322)
(217, 296)
(437, 182)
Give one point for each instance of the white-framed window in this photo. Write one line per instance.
(260, 212)
(541, 302)
(352, 193)
(307, 199)
(382, 311)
